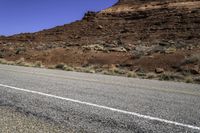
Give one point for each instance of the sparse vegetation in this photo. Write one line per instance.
(119, 71)
(20, 62)
(151, 76)
(60, 66)
(189, 79)
(127, 46)
(131, 74)
(87, 70)
(197, 79)
(171, 76)
(3, 61)
(107, 72)
(68, 68)
(141, 74)
(20, 50)
(193, 59)
(166, 76)
(38, 64)
(1, 54)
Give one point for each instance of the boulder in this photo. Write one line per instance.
(165, 43)
(158, 49)
(96, 47)
(117, 49)
(100, 27)
(170, 50)
(159, 70)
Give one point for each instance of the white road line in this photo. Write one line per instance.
(103, 107)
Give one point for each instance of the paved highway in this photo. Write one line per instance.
(100, 103)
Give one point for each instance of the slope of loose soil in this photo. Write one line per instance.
(136, 35)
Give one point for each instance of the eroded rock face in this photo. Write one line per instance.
(146, 1)
(129, 22)
(138, 35)
(135, 1)
(153, 26)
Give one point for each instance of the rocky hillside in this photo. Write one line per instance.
(136, 35)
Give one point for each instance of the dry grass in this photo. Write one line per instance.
(85, 69)
(21, 62)
(189, 79)
(171, 76)
(168, 76)
(193, 59)
(60, 66)
(132, 74)
(38, 64)
(68, 68)
(197, 79)
(2, 61)
(151, 76)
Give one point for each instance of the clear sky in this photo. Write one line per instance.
(19, 16)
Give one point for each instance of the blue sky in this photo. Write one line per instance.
(19, 16)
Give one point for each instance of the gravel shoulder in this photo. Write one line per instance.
(12, 121)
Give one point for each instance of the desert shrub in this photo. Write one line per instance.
(131, 74)
(88, 70)
(1, 54)
(151, 76)
(193, 59)
(10, 63)
(60, 66)
(118, 71)
(171, 76)
(38, 64)
(20, 50)
(189, 79)
(68, 68)
(141, 74)
(106, 72)
(51, 67)
(167, 76)
(21, 61)
(3, 61)
(197, 79)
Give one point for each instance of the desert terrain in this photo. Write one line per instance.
(142, 38)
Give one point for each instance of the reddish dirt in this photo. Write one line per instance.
(131, 25)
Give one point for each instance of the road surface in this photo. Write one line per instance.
(100, 103)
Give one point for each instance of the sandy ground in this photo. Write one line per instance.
(15, 122)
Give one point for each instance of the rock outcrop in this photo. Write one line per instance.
(128, 22)
(148, 34)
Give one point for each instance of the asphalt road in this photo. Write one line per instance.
(99, 103)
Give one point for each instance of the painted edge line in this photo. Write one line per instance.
(103, 107)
